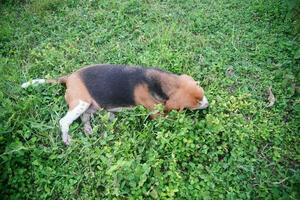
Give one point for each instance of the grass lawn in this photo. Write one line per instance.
(239, 148)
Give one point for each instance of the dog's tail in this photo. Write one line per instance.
(61, 80)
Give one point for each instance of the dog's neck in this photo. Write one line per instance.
(169, 82)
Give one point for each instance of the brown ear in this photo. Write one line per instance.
(175, 102)
(172, 105)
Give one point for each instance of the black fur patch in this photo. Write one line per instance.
(113, 85)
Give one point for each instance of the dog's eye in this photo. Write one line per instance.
(198, 100)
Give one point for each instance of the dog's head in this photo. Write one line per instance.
(188, 94)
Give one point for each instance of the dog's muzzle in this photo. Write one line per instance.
(204, 103)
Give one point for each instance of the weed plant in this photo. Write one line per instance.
(237, 149)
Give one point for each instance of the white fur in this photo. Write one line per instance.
(204, 103)
(71, 116)
(118, 109)
(33, 82)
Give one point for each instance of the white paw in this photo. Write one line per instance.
(66, 138)
(111, 116)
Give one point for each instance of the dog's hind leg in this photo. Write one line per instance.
(73, 113)
(85, 118)
(79, 101)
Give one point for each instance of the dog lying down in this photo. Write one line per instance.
(113, 87)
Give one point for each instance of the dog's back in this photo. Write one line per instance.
(114, 85)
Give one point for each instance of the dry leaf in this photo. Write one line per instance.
(271, 97)
(154, 194)
(229, 71)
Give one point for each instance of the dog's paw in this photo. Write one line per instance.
(88, 129)
(111, 116)
(66, 139)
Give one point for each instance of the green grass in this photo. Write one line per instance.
(237, 149)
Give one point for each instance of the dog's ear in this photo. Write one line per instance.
(172, 105)
(175, 102)
(186, 95)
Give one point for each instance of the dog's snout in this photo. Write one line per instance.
(204, 103)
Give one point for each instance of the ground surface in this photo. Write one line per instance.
(238, 149)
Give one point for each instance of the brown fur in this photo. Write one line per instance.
(143, 97)
(61, 80)
(182, 90)
(76, 91)
(186, 95)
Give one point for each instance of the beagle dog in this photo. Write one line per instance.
(112, 87)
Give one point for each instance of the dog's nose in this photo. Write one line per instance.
(204, 103)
